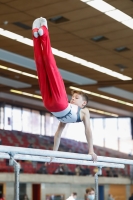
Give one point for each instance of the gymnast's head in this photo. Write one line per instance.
(79, 98)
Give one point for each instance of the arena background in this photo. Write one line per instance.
(92, 43)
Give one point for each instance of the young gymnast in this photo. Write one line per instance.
(53, 90)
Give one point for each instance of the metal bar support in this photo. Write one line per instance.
(59, 154)
(13, 162)
(99, 172)
(61, 160)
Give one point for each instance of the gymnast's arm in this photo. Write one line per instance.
(88, 133)
(58, 135)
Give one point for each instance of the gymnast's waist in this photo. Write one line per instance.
(70, 115)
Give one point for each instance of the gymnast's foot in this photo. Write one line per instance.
(35, 27)
(43, 22)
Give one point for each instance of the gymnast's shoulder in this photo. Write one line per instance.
(84, 113)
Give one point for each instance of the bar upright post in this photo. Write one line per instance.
(13, 162)
(96, 182)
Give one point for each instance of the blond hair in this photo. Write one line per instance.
(84, 95)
